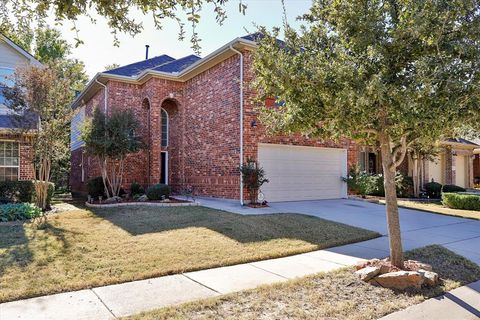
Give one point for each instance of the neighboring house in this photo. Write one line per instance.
(199, 121)
(15, 151)
(456, 163)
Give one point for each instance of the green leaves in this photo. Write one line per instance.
(113, 136)
(402, 67)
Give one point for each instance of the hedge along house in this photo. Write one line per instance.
(16, 153)
(199, 121)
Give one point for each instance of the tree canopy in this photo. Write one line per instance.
(19, 14)
(388, 73)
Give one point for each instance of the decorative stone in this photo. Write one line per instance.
(430, 278)
(401, 280)
(114, 199)
(367, 273)
(416, 265)
(368, 263)
(142, 198)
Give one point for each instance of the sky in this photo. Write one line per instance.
(99, 51)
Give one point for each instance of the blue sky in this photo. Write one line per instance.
(99, 51)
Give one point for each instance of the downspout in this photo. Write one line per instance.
(105, 96)
(241, 119)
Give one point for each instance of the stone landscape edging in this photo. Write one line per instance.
(147, 204)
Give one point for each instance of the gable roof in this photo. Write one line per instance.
(136, 68)
(180, 70)
(20, 50)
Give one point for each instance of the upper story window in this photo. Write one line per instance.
(9, 161)
(6, 80)
(164, 116)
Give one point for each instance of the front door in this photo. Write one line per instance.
(164, 168)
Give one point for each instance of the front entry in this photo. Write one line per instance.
(164, 167)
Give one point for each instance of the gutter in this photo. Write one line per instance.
(241, 119)
(105, 96)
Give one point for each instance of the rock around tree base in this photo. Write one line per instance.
(415, 274)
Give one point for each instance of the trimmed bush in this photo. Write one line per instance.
(433, 189)
(136, 189)
(461, 201)
(372, 184)
(17, 191)
(19, 211)
(452, 188)
(158, 192)
(95, 187)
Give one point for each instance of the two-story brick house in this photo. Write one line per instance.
(198, 119)
(15, 151)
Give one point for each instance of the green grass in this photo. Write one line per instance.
(334, 295)
(438, 207)
(78, 248)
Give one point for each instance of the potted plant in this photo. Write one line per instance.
(253, 178)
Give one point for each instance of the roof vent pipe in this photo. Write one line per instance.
(146, 51)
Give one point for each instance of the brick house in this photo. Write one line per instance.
(198, 119)
(457, 162)
(15, 150)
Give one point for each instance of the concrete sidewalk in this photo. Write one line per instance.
(461, 303)
(129, 298)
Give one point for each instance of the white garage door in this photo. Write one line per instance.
(303, 173)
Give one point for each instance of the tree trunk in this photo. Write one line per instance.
(393, 221)
(416, 189)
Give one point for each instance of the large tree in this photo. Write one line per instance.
(39, 98)
(391, 73)
(118, 13)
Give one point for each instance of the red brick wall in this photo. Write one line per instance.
(203, 130)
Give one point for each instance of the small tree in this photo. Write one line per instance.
(390, 72)
(111, 139)
(40, 99)
(253, 178)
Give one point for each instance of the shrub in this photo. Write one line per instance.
(17, 191)
(95, 187)
(253, 178)
(158, 192)
(372, 184)
(136, 189)
(452, 188)
(433, 189)
(19, 211)
(461, 201)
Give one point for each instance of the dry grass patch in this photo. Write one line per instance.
(437, 207)
(79, 248)
(334, 295)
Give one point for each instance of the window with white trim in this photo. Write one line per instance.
(164, 116)
(6, 80)
(9, 161)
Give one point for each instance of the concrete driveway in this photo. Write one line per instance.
(418, 228)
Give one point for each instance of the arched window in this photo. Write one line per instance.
(164, 116)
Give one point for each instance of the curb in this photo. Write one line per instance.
(146, 204)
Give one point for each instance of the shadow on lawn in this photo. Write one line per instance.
(244, 229)
(15, 244)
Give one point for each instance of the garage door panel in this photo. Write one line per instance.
(302, 173)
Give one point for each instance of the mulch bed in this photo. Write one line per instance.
(130, 200)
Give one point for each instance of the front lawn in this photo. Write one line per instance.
(335, 295)
(79, 248)
(438, 207)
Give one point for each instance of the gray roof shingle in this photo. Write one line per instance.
(136, 68)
